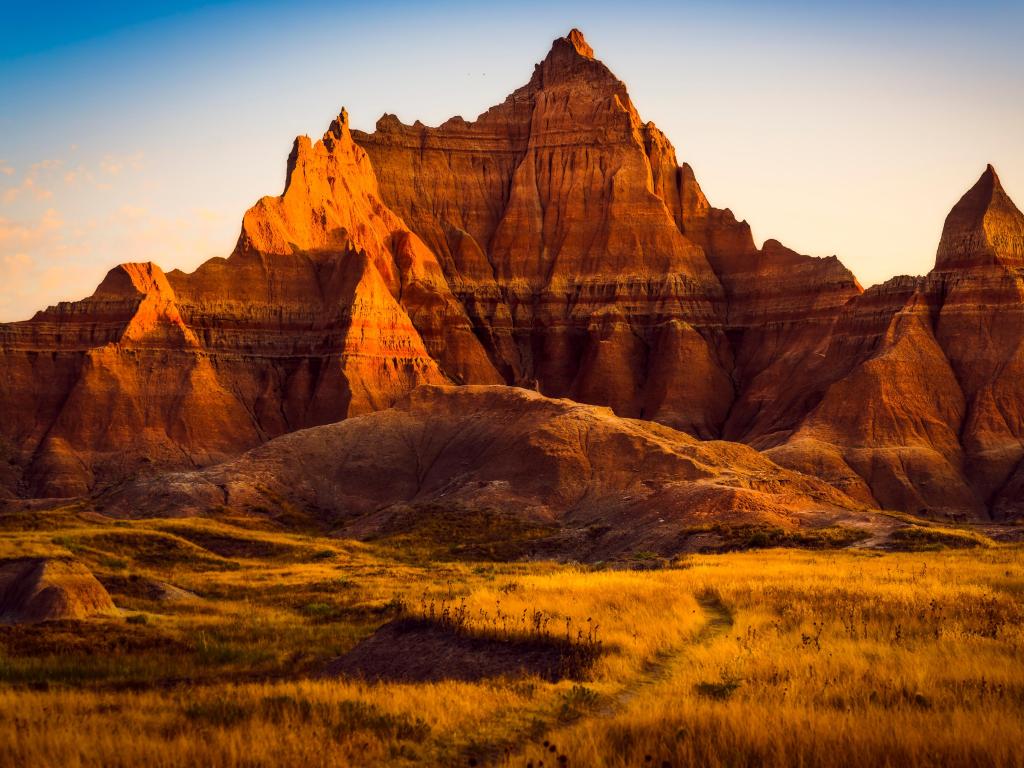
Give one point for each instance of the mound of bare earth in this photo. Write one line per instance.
(568, 479)
(36, 589)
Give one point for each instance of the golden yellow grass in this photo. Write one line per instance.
(776, 657)
(841, 659)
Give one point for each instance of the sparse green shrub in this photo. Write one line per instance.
(576, 702)
(919, 538)
(322, 612)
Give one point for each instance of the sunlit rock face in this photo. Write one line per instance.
(554, 243)
(978, 286)
(328, 306)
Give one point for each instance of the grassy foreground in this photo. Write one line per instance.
(774, 657)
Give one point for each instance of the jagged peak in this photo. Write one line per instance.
(337, 134)
(576, 39)
(981, 195)
(985, 227)
(388, 121)
(155, 314)
(570, 59)
(131, 279)
(571, 56)
(300, 145)
(338, 129)
(694, 202)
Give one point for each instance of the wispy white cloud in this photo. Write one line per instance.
(66, 220)
(15, 236)
(34, 185)
(15, 264)
(113, 165)
(53, 255)
(32, 252)
(80, 174)
(28, 188)
(42, 179)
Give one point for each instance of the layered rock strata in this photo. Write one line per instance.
(555, 243)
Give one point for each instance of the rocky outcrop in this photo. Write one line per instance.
(35, 589)
(554, 243)
(893, 420)
(978, 285)
(984, 229)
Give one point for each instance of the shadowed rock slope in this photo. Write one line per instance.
(921, 399)
(596, 484)
(554, 243)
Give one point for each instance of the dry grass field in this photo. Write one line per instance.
(772, 657)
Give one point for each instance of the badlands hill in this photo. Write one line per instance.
(539, 475)
(555, 243)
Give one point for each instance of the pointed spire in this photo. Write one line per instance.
(302, 145)
(571, 57)
(984, 228)
(571, 47)
(337, 129)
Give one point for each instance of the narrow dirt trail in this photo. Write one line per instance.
(718, 620)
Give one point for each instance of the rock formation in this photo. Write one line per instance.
(35, 589)
(554, 243)
(313, 318)
(546, 215)
(922, 398)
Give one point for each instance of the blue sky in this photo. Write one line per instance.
(143, 131)
(34, 27)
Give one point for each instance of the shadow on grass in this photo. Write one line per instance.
(415, 650)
